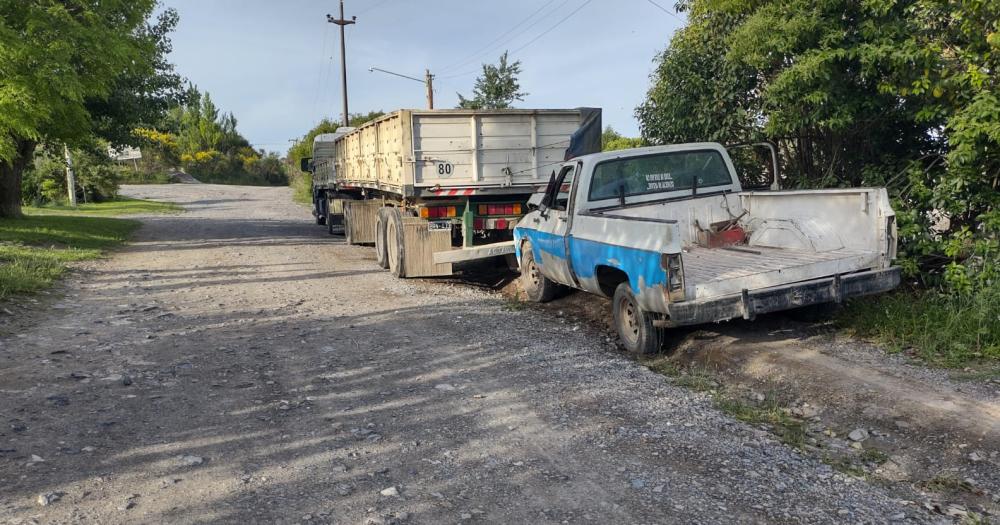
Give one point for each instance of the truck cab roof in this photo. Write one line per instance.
(648, 150)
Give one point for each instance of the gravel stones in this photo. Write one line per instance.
(858, 435)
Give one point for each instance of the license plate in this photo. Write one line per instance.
(438, 225)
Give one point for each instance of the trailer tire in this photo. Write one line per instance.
(320, 209)
(537, 288)
(381, 252)
(635, 326)
(394, 246)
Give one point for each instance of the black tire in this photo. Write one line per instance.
(394, 247)
(320, 210)
(381, 254)
(537, 288)
(635, 326)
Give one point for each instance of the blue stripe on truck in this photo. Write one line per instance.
(642, 266)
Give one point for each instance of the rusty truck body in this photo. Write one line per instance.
(669, 234)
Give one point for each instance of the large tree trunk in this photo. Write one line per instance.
(10, 179)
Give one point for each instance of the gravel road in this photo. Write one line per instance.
(236, 364)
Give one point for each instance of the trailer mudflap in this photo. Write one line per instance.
(750, 303)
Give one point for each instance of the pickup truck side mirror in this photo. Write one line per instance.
(304, 163)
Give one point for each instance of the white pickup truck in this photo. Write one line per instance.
(670, 235)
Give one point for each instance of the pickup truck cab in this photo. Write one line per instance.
(669, 234)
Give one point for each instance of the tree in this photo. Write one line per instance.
(612, 140)
(302, 148)
(902, 93)
(72, 71)
(496, 88)
(358, 119)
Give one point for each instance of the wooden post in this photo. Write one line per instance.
(429, 80)
(70, 177)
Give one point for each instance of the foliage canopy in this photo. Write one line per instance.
(496, 88)
(902, 93)
(75, 71)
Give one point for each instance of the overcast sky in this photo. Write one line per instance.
(276, 64)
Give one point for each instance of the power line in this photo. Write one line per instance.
(665, 10)
(476, 53)
(373, 7)
(557, 24)
(539, 36)
(320, 69)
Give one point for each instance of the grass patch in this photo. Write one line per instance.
(952, 331)
(948, 483)
(511, 304)
(35, 250)
(120, 206)
(874, 456)
(302, 188)
(770, 413)
(845, 465)
(691, 378)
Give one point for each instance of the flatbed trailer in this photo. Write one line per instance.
(429, 188)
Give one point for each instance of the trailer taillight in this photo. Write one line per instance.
(438, 212)
(500, 209)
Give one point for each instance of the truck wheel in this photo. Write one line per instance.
(635, 326)
(320, 210)
(381, 255)
(537, 287)
(394, 242)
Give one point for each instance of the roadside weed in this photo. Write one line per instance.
(954, 330)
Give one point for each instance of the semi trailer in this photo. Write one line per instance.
(430, 188)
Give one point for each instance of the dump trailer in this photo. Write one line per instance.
(429, 188)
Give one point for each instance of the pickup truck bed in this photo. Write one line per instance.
(716, 272)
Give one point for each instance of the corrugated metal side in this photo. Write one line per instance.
(376, 155)
(455, 148)
(489, 149)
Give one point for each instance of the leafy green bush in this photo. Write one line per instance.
(896, 93)
(946, 329)
(44, 182)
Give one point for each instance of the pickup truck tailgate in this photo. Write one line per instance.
(716, 272)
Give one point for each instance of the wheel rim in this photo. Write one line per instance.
(390, 244)
(628, 320)
(534, 278)
(380, 241)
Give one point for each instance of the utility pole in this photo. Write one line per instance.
(70, 177)
(428, 81)
(430, 88)
(343, 53)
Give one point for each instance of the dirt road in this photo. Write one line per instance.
(236, 364)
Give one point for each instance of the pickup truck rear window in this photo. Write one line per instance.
(658, 173)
